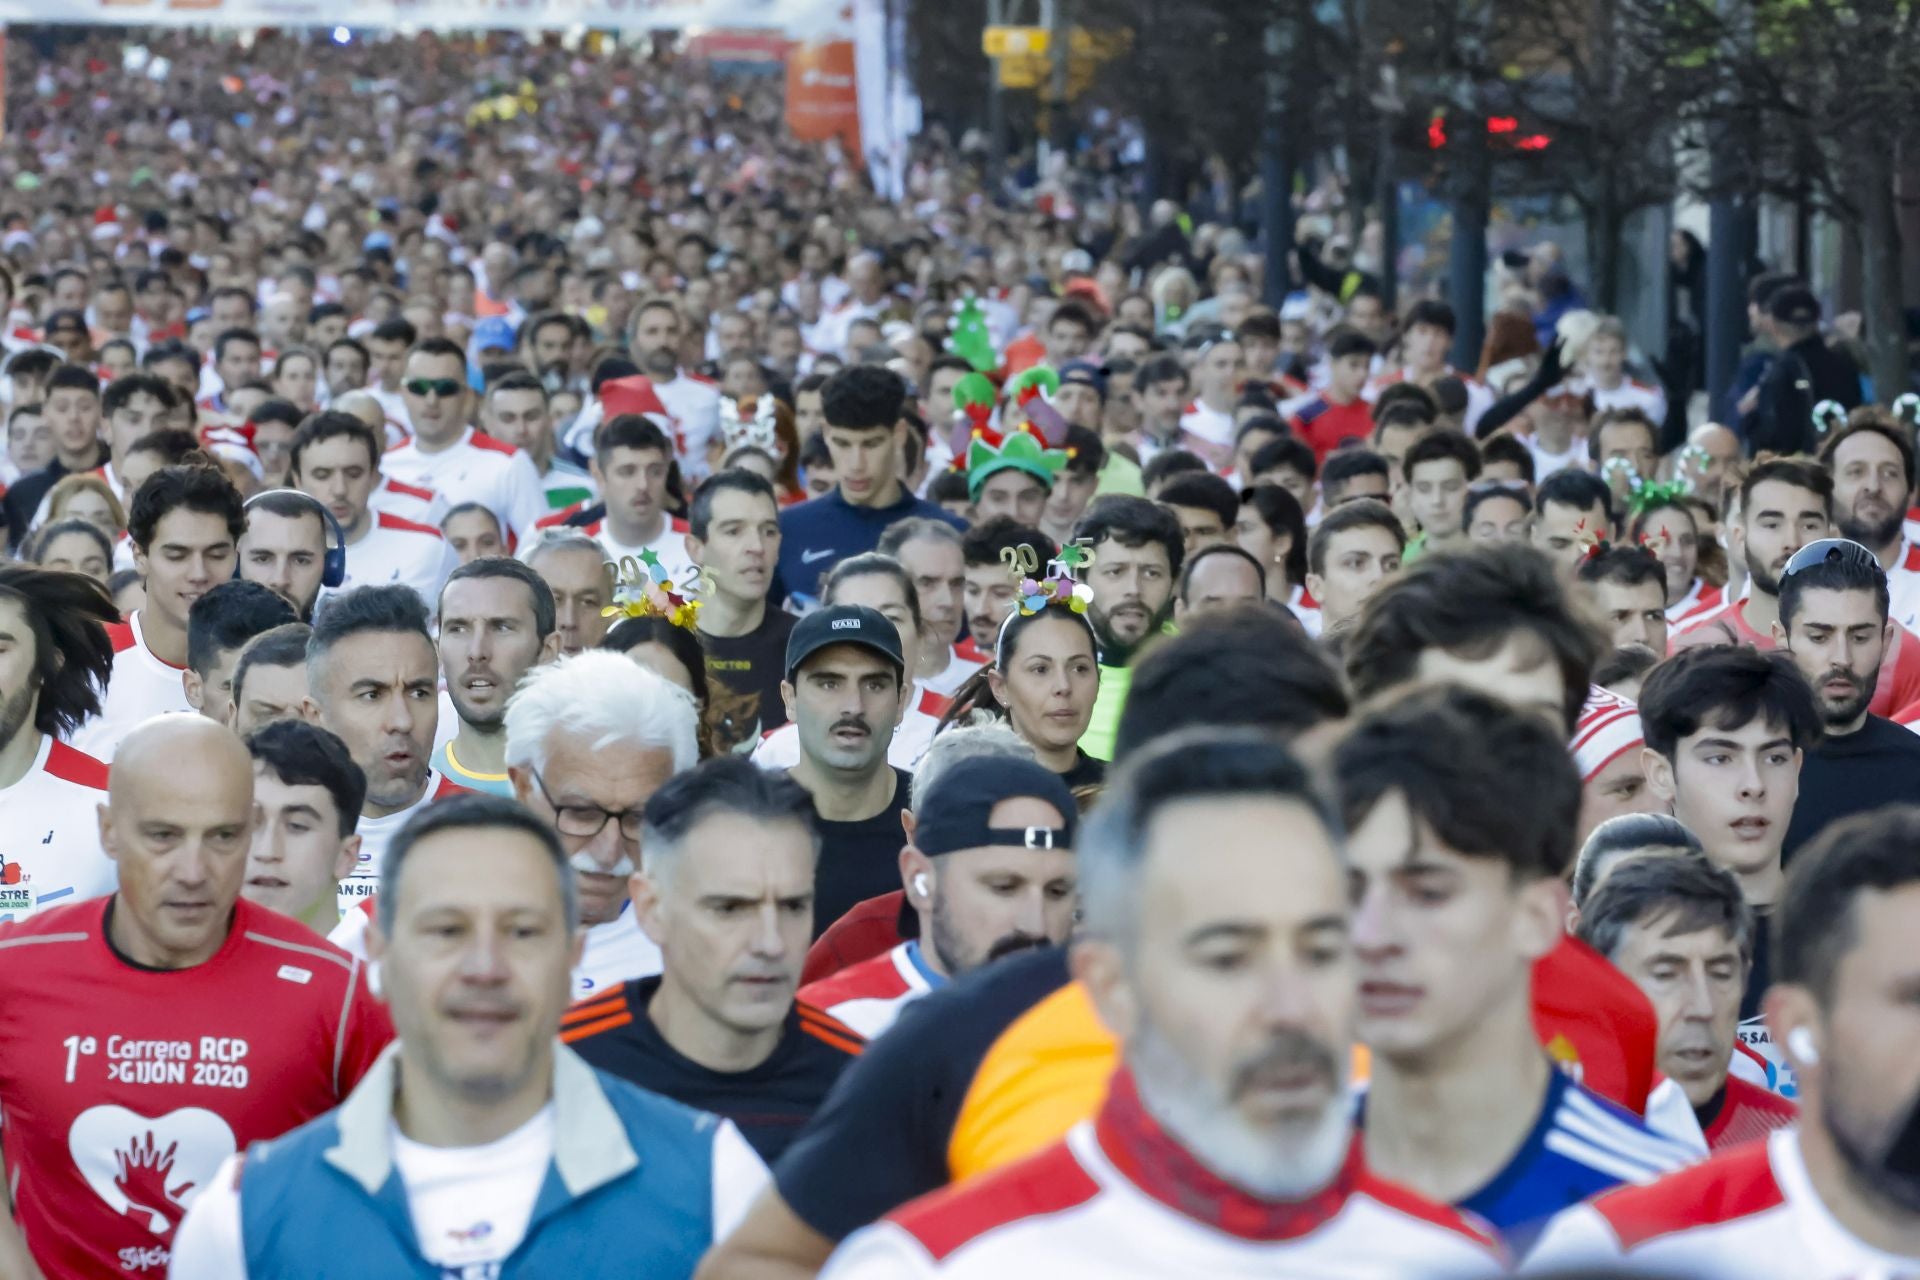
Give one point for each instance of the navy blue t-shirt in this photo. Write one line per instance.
(818, 534)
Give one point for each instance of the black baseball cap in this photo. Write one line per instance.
(1794, 304)
(843, 624)
(1086, 373)
(953, 814)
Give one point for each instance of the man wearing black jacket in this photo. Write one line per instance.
(1806, 372)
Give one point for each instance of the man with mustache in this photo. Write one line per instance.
(846, 677)
(588, 740)
(1218, 949)
(1461, 811)
(1838, 1194)
(1137, 550)
(726, 893)
(988, 870)
(1873, 471)
(1833, 621)
(496, 624)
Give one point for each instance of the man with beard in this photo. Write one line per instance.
(1461, 813)
(727, 896)
(1837, 1195)
(1784, 505)
(989, 591)
(496, 624)
(692, 402)
(373, 676)
(1833, 620)
(1224, 1146)
(1137, 549)
(1873, 464)
(988, 869)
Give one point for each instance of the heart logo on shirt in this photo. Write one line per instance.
(149, 1169)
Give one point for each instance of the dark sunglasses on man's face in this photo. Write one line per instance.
(445, 388)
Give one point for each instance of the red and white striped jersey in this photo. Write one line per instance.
(143, 685)
(1092, 1206)
(413, 502)
(398, 550)
(1702, 598)
(868, 996)
(475, 468)
(50, 851)
(1750, 1213)
(1903, 586)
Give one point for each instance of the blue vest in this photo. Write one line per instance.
(301, 1214)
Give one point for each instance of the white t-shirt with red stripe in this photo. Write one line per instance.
(869, 995)
(1749, 1214)
(413, 502)
(375, 834)
(1702, 598)
(1071, 1213)
(475, 468)
(50, 851)
(1903, 586)
(397, 550)
(143, 686)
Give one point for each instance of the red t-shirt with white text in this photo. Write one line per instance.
(122, 1088)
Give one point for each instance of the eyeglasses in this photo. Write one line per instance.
(585, 821)
(1830, 551)
(445, 388)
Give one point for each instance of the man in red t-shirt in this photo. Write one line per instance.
(1679, 927)
(1339, 413)
(147, 1036)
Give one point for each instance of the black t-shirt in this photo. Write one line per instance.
(1876, 766)
(23, 500)
(768, 1103)
(743, 682)
(1086, 772)
(859, 860)
(882, 1136)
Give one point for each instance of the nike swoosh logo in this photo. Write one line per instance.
(808, 557)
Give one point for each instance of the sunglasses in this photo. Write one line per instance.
(1830, 551)
(445, 388)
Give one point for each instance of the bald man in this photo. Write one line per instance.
(1721, 448)
(148, 1035)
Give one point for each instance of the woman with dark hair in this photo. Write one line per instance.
(1043, 680)
(670, 652)
(76, 545)
(1273, 530)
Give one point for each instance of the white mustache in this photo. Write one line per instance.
(584, 861)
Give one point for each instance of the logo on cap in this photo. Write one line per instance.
(846, 624)
(1040, 837)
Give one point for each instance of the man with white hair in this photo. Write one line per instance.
(589, 739)
(1225, 1146)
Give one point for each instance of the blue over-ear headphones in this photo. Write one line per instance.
(333, 569)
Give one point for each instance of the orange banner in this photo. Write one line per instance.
(822, 98)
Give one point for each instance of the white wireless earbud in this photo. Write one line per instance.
(1800, 1042)
(920, 885)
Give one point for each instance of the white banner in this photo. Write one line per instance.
(800, 20)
